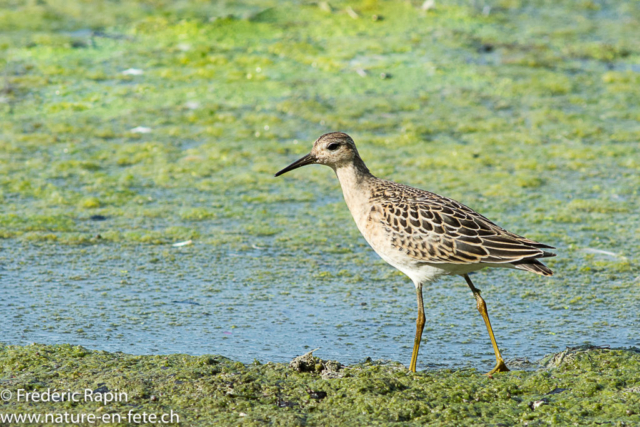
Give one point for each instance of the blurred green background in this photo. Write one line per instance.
(127, 127)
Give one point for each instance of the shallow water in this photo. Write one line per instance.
(535, 127)
(263, 305)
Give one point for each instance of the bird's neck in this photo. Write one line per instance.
(355, 180)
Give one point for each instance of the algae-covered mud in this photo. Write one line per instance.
(582, 386)
(128, 128)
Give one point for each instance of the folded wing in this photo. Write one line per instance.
(438, 230)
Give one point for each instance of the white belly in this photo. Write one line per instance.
(417, 273)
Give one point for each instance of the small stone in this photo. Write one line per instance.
(318, 395)
(281, 403)
(101, 389)
(308, 363)
(305, 363)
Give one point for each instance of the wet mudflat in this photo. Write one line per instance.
(585, 386)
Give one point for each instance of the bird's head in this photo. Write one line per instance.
(333, 149)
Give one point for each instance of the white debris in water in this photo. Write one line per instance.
(180, 244)
(429, 4)
(325, 6)
(600, 252)
(352, 13)
(140, 129)
(133, 72)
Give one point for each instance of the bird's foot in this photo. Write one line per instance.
(500, 367)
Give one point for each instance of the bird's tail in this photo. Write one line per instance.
(534, 266)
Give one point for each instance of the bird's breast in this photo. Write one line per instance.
(382, 242)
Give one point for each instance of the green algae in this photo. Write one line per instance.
(495, 107)
(585, 386)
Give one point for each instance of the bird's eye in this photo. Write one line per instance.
(332, 147)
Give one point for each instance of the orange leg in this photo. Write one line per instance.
(419, 327)
(482, 308)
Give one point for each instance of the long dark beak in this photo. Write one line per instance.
(306, 160)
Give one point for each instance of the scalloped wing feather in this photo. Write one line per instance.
(435, 229)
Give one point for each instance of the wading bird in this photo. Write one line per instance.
(420, 233)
